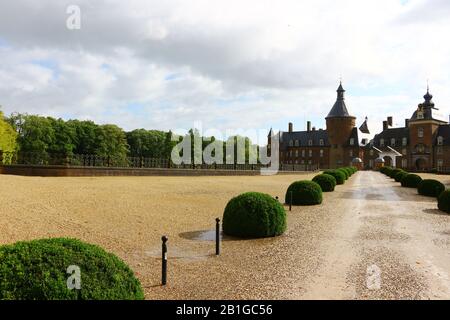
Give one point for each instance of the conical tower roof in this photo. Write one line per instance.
(339, 109)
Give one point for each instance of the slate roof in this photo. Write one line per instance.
(339, 109)
(392, 133)
(303, 138)
(443, 131)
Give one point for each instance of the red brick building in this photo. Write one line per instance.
(422, 144)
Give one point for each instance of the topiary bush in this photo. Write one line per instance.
(430, 188)
(394, 172)
(411, 181)
(400, 175)
(338, 175)
(444, 201)
(346, 175)
(326, 182)
(37, 270)
(387, 171)
(254, 215)
(349, 171)
(304, 193)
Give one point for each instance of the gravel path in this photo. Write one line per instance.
(370, 222)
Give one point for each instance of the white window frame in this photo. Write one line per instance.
(420, 132)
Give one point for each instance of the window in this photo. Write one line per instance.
(296, 143)
(303, 153)
(404, 163)
(291, 143)
(309, 162)
(350, 153)
(296, 153)
(352, 141)
(420, 115)
(420, 132)
(381, 142)
(405, 141)
(440, 163)
(371, 152)
(420, 148)
(321, 142)
(310, 153)
(310, 143)
(439, 150)
(440, 141)
(321, 153)
(393, 142)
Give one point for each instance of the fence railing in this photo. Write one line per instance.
(89, 160)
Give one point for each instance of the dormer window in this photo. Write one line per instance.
(440, 141)
(291, 143)
(296, 143)
(321, 142)
(420, 115)
(392, 142)
(352, 141)
(381, 142)
(405, 141)
(310, 143)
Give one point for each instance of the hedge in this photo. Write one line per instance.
(430, 188)
(37, 270)
(254, 215)
(400, 175)
(394, 172)
(326, 182)
(304, 193)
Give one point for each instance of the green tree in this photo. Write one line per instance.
(112, 143)
(8, 142)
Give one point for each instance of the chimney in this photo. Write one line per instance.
(385, 125)
(291, 127)
(314, 129)
(390, 121)
(308, 126)
(406, 123)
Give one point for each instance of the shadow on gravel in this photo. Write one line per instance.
(436, 212)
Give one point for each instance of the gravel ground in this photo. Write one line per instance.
(325, 253)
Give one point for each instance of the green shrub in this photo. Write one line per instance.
(338, 175)
(444, 201)
(411, 181)
(346, 175)
(430, 188)
(326, 182)
(349, 171)
(400, 175)
(37, 270)
(394, 172)
(304, 193)
(254, 215)
(387, 171)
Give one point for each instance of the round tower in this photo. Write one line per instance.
(340, 125)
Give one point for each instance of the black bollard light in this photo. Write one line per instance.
(164, 260)
(290, 202)
(217, 236)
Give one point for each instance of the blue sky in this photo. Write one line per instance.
(227, 64)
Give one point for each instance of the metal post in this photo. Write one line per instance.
(217, 236)
(290, 202)
(164, 260)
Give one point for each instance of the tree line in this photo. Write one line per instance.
(44, 137)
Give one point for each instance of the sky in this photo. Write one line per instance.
(228, 65)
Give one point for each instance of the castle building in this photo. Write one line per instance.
(422, 144)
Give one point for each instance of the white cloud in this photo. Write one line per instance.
(230, 64)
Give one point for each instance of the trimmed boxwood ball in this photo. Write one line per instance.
(304, 193)
(388, 171)
(326, 182)
(349, 171)
(344, 172)
(394, 172)
(400, 175)
(430, 188)
(338, 175)
(37, 270)
(411, 181)
(444, 201)
(254, 215)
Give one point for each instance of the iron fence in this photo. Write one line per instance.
(89, 160)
